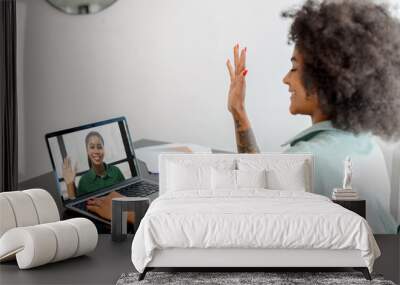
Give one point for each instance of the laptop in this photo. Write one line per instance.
(95, 159)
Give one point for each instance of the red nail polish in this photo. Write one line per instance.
(245, 49)
(245, 72)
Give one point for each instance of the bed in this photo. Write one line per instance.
(246, 211)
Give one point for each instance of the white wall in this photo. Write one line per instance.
(160, 63)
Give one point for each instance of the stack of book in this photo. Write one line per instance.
(344, 194)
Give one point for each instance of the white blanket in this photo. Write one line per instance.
(250, 219)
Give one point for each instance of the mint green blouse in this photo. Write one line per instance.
(330, 146)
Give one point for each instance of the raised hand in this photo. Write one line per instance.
(245, 139)
(68, 172)
(237, 74)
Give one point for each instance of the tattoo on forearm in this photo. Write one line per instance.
(245, 139)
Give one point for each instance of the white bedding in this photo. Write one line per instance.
(251, 218)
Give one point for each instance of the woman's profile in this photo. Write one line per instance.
(345, 76)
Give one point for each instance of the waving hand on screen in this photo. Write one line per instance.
(69, 174)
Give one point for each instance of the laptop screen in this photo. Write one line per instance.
(91, 158)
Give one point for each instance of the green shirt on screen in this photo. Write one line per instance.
(90, 181)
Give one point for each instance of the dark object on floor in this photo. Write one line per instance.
(244, 278)
(364, 271)
(120, 207)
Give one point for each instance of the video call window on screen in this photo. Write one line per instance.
(92, 159)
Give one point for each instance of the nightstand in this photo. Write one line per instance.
(120, 207)
(357, 206)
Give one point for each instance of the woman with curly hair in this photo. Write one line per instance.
(346, 76)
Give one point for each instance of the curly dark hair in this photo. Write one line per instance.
(351, 51)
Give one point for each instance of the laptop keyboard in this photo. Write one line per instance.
(140, 189)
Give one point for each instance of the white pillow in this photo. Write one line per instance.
(223, 179)
(251, 178)
(293, 179)
(282, 174)
(237, 179)
(183, 177)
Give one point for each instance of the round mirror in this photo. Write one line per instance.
(81, 6)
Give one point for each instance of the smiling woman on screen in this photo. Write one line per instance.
(100, 174)
(345, 75)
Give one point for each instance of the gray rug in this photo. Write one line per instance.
(230, 278)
